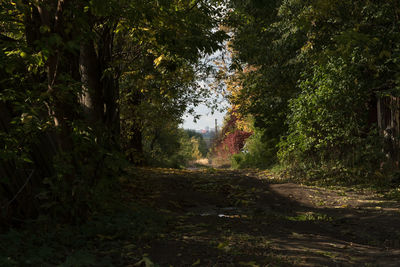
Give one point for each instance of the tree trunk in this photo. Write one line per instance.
(135, 142)
(92, 97)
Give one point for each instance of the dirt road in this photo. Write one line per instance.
(237, 218)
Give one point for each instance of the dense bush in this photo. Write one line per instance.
(231, 139)
(256, 153)
(310, 73)
(328, 123)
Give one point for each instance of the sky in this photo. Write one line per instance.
(206, 119)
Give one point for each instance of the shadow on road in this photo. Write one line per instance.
(234, 218)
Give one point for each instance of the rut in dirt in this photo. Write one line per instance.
(244, 218)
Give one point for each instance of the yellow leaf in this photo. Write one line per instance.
(146, 261)
(223, 246)
(196, 262)
(158, 60)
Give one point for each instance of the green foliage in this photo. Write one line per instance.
(174, 147)
(328, 122)
(201, 143)
(265, 58)
(81, 81)
(257, 153)
(92, 167)
(160, 82)
(318, 66)
(310, 217)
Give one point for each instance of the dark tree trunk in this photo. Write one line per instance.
(92, 93)
(135, 142)
(110, 84)
(136, 146)
(100, 86)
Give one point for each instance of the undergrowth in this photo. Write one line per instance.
(110, 237)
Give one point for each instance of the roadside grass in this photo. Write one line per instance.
(379, 183)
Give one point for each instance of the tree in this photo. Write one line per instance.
(288, 56)
(265, 63)
(232, 137)
(161, 84)
(68, 65)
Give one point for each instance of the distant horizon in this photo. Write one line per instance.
(205, 129)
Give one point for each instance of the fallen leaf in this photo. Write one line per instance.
(196, 262)
(146, 261)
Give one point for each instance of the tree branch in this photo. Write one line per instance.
(195, 4)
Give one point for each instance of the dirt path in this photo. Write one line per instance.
(235, 218)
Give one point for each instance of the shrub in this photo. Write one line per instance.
(256, 153)
(328, 124)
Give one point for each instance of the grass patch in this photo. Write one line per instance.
(310, 217)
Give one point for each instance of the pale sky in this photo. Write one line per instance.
(206, 119)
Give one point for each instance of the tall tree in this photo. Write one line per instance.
(295, 52)
(62, 66)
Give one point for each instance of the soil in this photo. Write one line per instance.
(242, 218)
